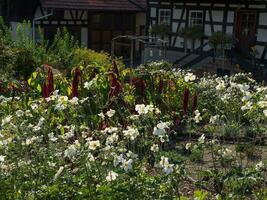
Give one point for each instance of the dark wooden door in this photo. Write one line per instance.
(245, 31)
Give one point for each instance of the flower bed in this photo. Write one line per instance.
(133, 134)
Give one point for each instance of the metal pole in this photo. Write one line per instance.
(112, 49)
(132, 52)
(36, 19)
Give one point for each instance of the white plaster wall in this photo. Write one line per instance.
(174, 27)
(179, 42)
(67, 14)
(38, 13)
(13, 26)
(85, 16)
(153, 12)
(177, 13)
(229, 30)
(207, 16)
(257, 6)
(84, 36)
(217, 16)
(207, 30)
(260, 50)
(217, 28)
(262, 35)
(263, 19)
(230, 17)
(185, 13)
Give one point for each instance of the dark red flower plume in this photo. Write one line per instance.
(75, 82)
(186, 102)
(48, 85)
(195, 101)
(115, 68)
(115, 86)
(161, 86)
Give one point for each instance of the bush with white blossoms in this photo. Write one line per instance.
(145, 133)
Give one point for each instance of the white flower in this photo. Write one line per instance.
(154, 148)
(226, 153)
(34, 106)
(262, 104)
(220, 86)
(214, 119)
(52, 138)
(259, 166)
(158, 131)
(188, 146)
(19, 113)
(167, 167)
(71, 151)
(2, 158)
(88, 85)
(201, 140)
(71, 132)
(111, 113)
(101, 115)
(118, 159)
(131, 133)
(60, 170)
(111, 176)
(36, 128)
(110, 130)
(140, 109)
(189, 77)
(74, 101)
(6, 120)
(265, 113)
(163, 125)
(127, 165)
(111, 139)
(247, 96)
(94, 144)
(247, 106)
(30, 141)
(197, 117)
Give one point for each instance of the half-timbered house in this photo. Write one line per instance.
(92, 22)
(244, 20)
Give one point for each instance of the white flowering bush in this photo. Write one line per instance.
(136, 134)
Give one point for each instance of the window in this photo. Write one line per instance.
(196, 18)
(165, 16)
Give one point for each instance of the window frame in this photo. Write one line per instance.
(166, 22)
(190, 18)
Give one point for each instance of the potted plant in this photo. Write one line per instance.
(159, 29)
(191, 33)
(220, 41)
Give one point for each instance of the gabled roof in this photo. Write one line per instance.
(97, 5)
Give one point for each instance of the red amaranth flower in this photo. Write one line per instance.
(115, 68)
(45, 90)
(177, 122)
(186, 102)
(75, 82)
(48, 85)
(161, 86)
(140, 86)
(115, 86)
(50, 81)
(195, 101)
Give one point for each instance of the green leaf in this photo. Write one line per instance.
(34, 75)
(29, 81)
(39, 88)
